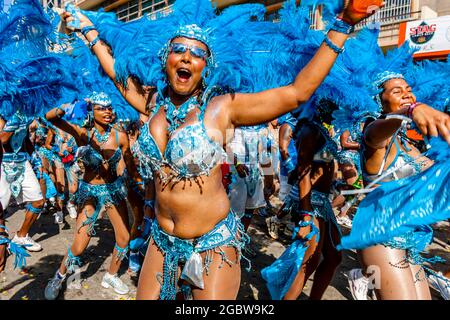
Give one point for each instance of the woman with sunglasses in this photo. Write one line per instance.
(194, 231)
(101, 147)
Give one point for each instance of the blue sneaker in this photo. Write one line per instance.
(134, 262)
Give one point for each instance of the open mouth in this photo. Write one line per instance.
(406, 105)
(184, 74)
(107, 119)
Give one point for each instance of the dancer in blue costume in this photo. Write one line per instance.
(6, 245)
(101, 147)
(391, 227)
(18, 179)
(288, 156)
(309, 205)
(194, 229)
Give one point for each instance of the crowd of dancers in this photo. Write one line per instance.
(180, 129)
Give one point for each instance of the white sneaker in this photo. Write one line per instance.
(27, 242)
(72, 211)
(113, 281)
(59, 218)
(273, 224)
(358, 283)
(441, 284)
(345, 221)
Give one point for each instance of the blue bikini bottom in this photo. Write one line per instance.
(186, 254)
(104, 195)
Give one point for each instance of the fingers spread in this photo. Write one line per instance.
(444, 132)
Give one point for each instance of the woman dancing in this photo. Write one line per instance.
(101, 149)
(194, 228)
(392, 161)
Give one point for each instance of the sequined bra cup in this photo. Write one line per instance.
(147, 152)
(93, 160)
(402, 166)
(189, 154)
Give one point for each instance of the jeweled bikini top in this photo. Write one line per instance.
(190, 152)
(93, 160)
(402, 166)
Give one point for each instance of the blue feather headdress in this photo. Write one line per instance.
(224, 35)
(30, 75)
(41, 68)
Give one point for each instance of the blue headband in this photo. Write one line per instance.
(381, 79)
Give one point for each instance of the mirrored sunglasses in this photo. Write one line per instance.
(180, 48)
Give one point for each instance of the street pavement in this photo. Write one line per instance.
(55, 239)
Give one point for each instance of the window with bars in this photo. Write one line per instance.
(394, 11)
(135, 9)
(52, 3)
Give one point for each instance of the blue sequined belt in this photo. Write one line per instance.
(228, 232)
(107, 195)
(413, 242)
(14, 170)
(320, 203)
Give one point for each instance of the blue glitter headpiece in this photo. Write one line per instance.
(380, 80)
(191, 31)
(100, 98)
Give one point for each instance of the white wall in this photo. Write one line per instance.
(442, 7)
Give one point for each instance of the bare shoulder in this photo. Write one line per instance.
(122, 136)
(217, 110)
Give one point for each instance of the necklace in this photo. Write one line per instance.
(176, 117)
(101, 139)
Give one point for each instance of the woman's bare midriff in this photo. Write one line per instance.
(94, 178)
(184, 212)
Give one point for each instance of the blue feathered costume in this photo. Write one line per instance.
(397, 213)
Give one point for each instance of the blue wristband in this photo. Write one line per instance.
(332, 46)
(341, 26)
(85, 30)
(94, 42)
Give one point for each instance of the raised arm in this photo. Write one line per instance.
(54, 116)
(346, 144)
(251, 109)
(431, 122)
(135, 95)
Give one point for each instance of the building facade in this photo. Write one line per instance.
(389, 18)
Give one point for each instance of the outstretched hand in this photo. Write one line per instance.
(432, 122)
(357, 10)
(84, 21)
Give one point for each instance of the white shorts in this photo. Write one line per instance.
(285, 188)
(240, 196)
(30, 191)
